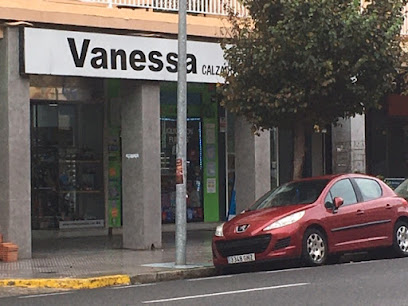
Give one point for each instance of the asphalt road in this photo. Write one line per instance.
(371, 282)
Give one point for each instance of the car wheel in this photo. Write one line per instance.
(314, 251)
(401, 238)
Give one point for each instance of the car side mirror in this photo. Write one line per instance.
(338, 201)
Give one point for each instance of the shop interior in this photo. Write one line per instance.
(194, 167)
(67, 168)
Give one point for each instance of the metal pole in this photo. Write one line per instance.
(181, 232)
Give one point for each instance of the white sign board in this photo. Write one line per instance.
(69, 53)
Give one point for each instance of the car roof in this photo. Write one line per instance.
(333, 176)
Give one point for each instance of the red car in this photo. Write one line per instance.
(313, 218)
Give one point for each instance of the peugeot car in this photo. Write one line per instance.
(315, 218)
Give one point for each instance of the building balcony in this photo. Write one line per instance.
(204, 7)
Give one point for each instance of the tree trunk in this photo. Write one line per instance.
(298, 150)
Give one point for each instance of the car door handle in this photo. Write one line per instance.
(360, 212)
(388, 206)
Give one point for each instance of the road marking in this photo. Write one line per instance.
(42, 295)
(210, 277)
(224, 293)
(357, 263)
(130, 286)
(284, 270)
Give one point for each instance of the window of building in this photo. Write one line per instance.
(194, 167)
(67, 168)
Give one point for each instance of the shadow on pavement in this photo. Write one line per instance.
(380, 254)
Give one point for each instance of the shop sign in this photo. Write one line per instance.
(69, 53)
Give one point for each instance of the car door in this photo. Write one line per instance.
(379, 212)
(345, 226)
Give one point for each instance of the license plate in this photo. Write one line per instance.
(241, 258)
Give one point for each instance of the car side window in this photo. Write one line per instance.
(345, 190)
(328, 199)
(369, 189)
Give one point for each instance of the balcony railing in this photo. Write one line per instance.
(206, 7)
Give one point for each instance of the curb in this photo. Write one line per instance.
(173, 275)
(112, 280)
(68, 283)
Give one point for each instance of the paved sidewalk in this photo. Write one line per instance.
(90, 262)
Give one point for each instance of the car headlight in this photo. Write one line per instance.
(219, 232)
(286, 220)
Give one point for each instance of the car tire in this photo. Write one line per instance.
(314, 252)
(400, 242)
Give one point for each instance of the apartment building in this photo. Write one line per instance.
(88, 129)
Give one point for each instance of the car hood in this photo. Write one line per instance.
(257, 220)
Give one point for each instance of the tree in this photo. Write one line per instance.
(299, 63)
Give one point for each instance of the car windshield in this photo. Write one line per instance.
(293, 193)
(402, 189)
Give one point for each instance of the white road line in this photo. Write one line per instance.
(130, 286)
(210, 277)
(357, 263)
(224, 293)
(284, 270)
(42, 295)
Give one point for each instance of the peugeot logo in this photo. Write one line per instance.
(242, 228)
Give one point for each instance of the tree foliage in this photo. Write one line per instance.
(311, 61)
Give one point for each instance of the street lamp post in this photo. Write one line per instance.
(181, 175)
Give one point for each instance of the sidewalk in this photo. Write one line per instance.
(91, 262)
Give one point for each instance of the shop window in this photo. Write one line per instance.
(194, 169)
(66, 159)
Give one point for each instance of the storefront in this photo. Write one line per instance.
(76, 143)
(202, 157)
(88, 133)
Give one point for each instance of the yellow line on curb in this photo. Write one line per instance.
(68, 283)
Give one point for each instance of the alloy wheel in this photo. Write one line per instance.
(316, 248)
(402, 238)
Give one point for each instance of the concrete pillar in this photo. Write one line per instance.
(348, 142)
(252, 164)
(317, 154)
(141, 164)
(15, 181)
